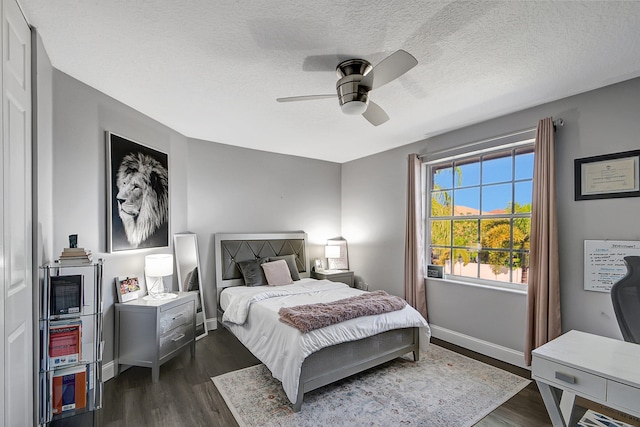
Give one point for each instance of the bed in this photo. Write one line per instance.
(304, 361)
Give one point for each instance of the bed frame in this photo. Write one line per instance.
(329, 364)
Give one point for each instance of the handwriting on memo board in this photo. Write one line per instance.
(604, 262)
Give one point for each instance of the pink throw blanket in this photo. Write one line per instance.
(314, 316)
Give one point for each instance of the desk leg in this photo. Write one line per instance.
(567, 404)
(551, 397)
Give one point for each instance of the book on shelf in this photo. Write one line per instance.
(65, 343)
(66, 294)
(75, 256)
(69, 389)
(72, 251)
(72, 262)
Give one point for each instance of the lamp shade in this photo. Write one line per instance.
(332, 251)
(158, 265)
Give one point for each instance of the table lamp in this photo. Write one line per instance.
(156, 267)
(331, 253)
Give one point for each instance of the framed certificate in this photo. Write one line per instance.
(608, 176)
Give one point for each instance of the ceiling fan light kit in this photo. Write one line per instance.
(352, 96)
(356, 78)
(355, 107)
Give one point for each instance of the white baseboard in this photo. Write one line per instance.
(496, 351)
(212, 324)
(108, 371)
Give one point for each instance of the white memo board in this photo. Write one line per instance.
(604, 262)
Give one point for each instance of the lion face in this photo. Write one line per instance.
(143, 196)
(130, 196)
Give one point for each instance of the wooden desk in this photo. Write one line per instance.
(603, 370)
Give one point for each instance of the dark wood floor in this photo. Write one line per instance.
(186, 396)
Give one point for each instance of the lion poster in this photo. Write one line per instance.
(138, 193)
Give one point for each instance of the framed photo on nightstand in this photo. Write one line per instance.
(128, 288)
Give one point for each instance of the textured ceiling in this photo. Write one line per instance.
(213, 69)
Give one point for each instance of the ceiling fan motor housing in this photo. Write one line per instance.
(353, 97)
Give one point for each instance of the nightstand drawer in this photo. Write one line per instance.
(343, 276)
(176, 316)
(623, 395)
(569, 378)
(176, 339)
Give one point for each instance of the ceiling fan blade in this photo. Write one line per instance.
(375, 114)
(323, 62)
(389, 69)
(305, 98)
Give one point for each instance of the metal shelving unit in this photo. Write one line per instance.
(90, 317)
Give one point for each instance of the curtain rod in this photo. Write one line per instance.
(557, 122)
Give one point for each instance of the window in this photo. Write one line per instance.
(479, 214)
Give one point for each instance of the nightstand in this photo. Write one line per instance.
(150, 332)
(343, 276)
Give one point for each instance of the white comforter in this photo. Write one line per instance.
(251, 313)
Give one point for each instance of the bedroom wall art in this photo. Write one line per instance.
(138, 195)
(608, 176)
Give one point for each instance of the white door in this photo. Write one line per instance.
(16, 305)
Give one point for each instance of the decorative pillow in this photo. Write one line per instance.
(252, 273)
(291, 262)
(277, 273)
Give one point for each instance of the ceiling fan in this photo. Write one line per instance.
(357, 78)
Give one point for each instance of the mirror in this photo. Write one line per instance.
(185, 247)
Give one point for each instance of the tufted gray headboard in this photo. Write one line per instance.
(231, 248)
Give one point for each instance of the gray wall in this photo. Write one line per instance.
(42, 153)
(81, 115)
(374, 193)
(233, 189)
(213, 187)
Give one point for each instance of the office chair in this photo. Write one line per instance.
(625, 295)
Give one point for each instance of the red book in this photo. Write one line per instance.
(69, 389)
(65, 343)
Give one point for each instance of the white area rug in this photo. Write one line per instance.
(443, 389)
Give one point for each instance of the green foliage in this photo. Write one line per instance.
(495, 240)
(496, 234)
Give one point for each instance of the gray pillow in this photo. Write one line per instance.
(291, 263)
(252, 272)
